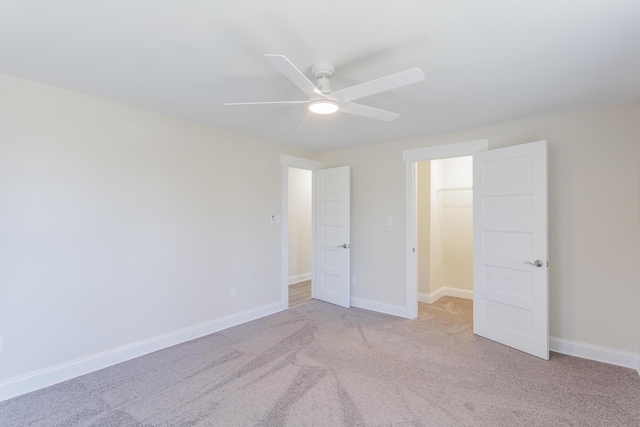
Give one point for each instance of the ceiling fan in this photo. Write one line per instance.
(323, 100)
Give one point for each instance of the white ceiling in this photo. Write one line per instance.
(485, 61)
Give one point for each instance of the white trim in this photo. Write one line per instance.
(445, 291)
(308, 164)
(380, 307)
(299, 162)
(432, 297)
(458, 293)
(299, 278)
(411, 239)
(313, 236)
(49, 376)
(595, 352)
(445, 151)
(410, 157)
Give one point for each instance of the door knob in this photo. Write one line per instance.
(344, 246)
(537, 263)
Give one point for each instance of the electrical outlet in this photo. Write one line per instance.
(234, 292)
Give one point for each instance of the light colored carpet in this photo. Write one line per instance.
(299, 293)
(322, 365)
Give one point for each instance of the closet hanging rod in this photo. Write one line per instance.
(455, 188)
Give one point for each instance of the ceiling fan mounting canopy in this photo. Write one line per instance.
(323, 69)
(323, 100)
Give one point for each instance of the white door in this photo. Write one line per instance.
(333, 248)
(510, 274)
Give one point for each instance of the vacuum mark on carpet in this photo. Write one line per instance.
(350, 414)
(220, 361)
(305, 380)
(297, 340)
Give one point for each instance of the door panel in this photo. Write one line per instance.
(333, 254)
(510, 232)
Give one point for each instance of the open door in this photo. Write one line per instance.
(510, 268)
(333, 248)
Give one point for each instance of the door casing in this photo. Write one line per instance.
(300, 163)
(411, 157)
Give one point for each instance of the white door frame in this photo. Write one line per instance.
(411, 157)
(300, 163)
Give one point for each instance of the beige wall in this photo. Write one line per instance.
(594, 206)
(299, 224)
(118, 225)
(454, 204)
(437, 277)
(424, 227)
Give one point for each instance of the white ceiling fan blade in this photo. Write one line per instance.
(370, 112)
(268, 103)
(306, 116)
(382, 84)
(287, 68)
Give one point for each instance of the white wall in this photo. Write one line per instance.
(118, 225)
(299, 224)
(594, 206)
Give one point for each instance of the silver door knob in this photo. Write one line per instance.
(537, 263)
(343, 246)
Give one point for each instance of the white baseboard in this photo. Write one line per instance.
(49, 376)
(380, 307)
(445, 291)
(299, 278)
(432, 297)
(594, 352)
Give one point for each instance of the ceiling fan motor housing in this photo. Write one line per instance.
(323, 71)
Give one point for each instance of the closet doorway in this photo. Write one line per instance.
(445, 228)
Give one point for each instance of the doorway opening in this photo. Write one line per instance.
(445, 228)
(300, 232)
(309, 167)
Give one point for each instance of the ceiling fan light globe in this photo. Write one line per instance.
(323, 106)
